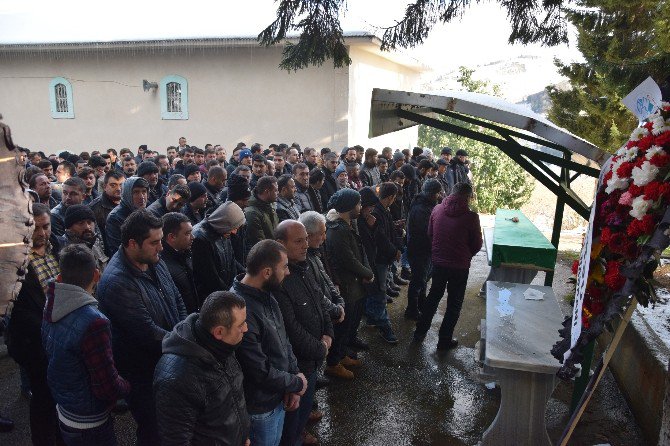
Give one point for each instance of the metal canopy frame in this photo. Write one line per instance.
(395, 110)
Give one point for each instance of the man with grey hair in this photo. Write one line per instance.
(315, 224)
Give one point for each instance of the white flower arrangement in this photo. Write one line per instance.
(640, 207)
(645, 174)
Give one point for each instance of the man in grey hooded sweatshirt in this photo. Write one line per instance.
(214, 264)
(134, 195)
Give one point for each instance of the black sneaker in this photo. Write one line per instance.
(359, 344)
(392, 293)
(399, 280)
(388, 335)
(412, 315)
(406, 273)
(447, 345)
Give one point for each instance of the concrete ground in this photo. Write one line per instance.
(410, 395)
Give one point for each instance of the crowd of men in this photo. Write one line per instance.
(208, 293)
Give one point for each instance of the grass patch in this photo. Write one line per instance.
(568, 255)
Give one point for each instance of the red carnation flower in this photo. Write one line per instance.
(663, 139)
(635, 190)
(613, 278)
(631, 144)
(607, 177)
(625, 170)
(660, 160)
(645, 143)
(606, 236)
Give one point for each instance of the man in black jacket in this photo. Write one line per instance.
(272, 380)
(388, 251)
(24, 338)
(330, 161)
(306, 320)
(418, 245)
(108, 200)
(198, 381)
(177, 241)
(214, 263)
(138, 295)
(172, 201)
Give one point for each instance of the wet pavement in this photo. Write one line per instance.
(408, 394)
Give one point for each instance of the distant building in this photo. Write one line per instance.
(90, 95)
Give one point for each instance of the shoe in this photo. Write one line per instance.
(406, 273)
(392, 293)
(388, 335)
(338, 371)
(399, 280)
(370, 323)
(322, 382)
(359, 344)
(412, 315)
(418, 337)
(120, 407)
(389, 300)
(350, 362)
(394, 287)
(447, 345)
(6, 424)
(315, 416)
(309, 439)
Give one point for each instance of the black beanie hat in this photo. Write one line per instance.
(238, 187)
(146, 167)
(197, 190)
(368, 196)
(344, 200)
(77, 213)
(431, 186)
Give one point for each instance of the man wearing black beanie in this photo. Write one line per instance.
(80, 227)
(238, 192)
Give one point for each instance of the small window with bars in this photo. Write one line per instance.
(174, 97)
(60, 98)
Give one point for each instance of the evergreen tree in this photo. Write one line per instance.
(623, 43)
(317, 22)
(498, 180)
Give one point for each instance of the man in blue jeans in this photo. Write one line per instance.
(272, 381)
(388, 251)
(456, 237)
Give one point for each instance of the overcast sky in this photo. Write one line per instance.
(480, 37)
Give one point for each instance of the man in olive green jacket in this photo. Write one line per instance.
(351, 271)
(260, 215)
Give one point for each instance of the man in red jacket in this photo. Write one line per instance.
(456, 237)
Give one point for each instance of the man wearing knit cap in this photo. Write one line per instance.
(397, 161)
(214, 264)
(195, 209)
(246, 157)
(445, 175)
(351, 271)
(80, 228)
(341, 177)
(149, 171)
(238, 192)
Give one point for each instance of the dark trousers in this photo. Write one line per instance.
(416, 290)
(454, 281)
(44, 430)
(295, 422)
(98, 436)
(345, 332)
(143, 408)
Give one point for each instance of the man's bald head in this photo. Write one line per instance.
(293, 236)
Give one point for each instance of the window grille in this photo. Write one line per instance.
(173, 97)
(61, 98)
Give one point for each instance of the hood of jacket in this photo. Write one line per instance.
(423, 200)
(331, 216)
(181, 341)
(66, 298)
(127, 192)
(455, 206)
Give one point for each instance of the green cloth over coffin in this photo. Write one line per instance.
(520, 243)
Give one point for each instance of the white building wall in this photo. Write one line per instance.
(370, 71)
(235, 94)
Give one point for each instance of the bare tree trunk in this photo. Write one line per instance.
(664, 434)
(16, 221)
